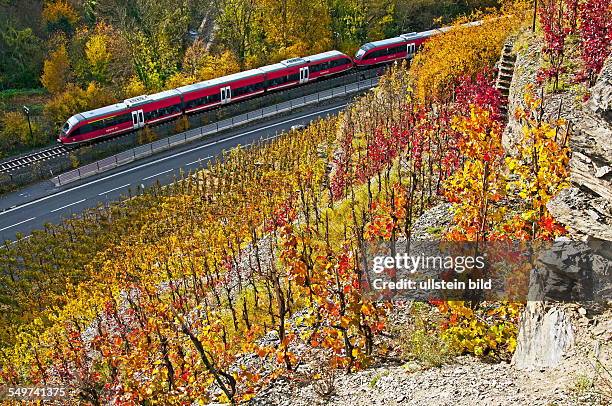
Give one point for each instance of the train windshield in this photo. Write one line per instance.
(365, 48)
(72, 121)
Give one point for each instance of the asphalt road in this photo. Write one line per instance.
(31, 207)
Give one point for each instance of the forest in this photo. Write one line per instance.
(61, 57)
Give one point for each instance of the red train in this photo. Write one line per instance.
(139, 111)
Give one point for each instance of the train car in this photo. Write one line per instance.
(327, 64)
(105, 121)
(287, 73)
(154, 108)
(122, 117)
(211, 93)
(391, 49)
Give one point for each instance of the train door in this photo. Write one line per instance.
(138, 119)
(304, 74)
(410, 48)
(226, 94)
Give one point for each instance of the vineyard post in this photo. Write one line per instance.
(535, 14)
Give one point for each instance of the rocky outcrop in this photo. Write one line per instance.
(546, 332)
(545, 335)
(587, 208)
(600, 102)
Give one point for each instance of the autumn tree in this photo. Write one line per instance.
(73, 99)
(299, 30)
(108, 57)
(200, 64)
(59, 15)
(15, 131)
(56, 71)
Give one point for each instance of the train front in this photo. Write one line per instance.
(359, 56)
(67, 133)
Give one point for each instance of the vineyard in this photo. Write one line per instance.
(210, 289)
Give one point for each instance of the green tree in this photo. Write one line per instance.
(20, 57)
(237, 27)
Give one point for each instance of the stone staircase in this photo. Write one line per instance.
(504, 75)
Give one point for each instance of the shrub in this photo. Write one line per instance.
(486, 331)
(421, 340)
(182, 124)
(147, 135)
(16, 132)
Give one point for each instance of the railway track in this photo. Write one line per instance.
(31, 159)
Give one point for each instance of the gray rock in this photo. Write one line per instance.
(601, 94)
(545, 335)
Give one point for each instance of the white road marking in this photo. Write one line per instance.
(199, 160)
(68, 205)
(112, 190)
(93, 182)
(16, 224)
(157, 174)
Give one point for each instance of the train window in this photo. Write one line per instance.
(374, 54)
(315, 68)
(340, 62)
(397, 49)
(294, 78)
(164, 111)
(255, 87)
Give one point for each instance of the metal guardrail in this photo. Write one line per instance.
(146, 150)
